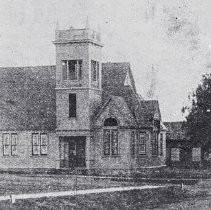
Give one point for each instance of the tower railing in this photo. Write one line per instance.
(77, 34)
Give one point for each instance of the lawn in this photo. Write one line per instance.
(171, 198)
(25, 183)
(175, 173)
(144, 199)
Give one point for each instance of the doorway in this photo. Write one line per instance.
(72, 151)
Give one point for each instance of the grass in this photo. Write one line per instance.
(175, 173)
(16, 184)
(152, 198)
(146, 199)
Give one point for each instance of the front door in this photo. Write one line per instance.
(72, 152)
(185, 156)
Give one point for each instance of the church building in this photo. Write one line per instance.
(80, 113)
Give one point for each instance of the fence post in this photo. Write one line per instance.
(12, 198)
(76, 180)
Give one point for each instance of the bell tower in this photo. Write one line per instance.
(78, 77)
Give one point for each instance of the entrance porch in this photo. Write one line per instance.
(73, 152)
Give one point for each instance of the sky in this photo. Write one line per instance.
(168, 43)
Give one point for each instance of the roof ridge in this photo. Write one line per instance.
(26, 66)
(116, 62)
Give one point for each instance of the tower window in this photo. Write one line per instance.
(72, 105)
(71, 69)
(95, 70)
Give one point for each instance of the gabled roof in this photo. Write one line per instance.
(176, 130)
(27, 98)
(114, 76)
(116, 106)
(151, 108)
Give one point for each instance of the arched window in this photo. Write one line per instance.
(110, 122)
(110, 137)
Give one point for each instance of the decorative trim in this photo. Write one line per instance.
(76, 88)
(78, 41)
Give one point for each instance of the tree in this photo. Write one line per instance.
(198, 124)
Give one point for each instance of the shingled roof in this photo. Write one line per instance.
(149, 111)
(28, 98)
(114, 76)
(176, 130)
(113, 82)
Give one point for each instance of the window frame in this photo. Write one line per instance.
(161, 144)
(8, 153)
(196, 158)
(112, 145)
(142, 143)
(133, 143)
(35, 145)
(66, 72)
(154, 145)
(176, 154)
(39, 144)
(95, 69)
(42, 145)
(14, 145)
(106, 142)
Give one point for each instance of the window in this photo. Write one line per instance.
(142, 144)
(43, 144)
(35, 144)
(14, 142)
(114, 142)
(95, 70)
(10, 142)
(196, 154)
(154, 143)
(39, 144)
(161, 144)
(64, 70)
(175, 154)
(6, 144)
(110, 142)
(133, 146)
(106, 142)
(110, 145)
(72, 105)
(110, 122)
(72, 69)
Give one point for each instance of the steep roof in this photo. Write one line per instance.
(27, 98)
(113, 83)
(116, 105)
(149, 110)
(176, 130)
(114, 76)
